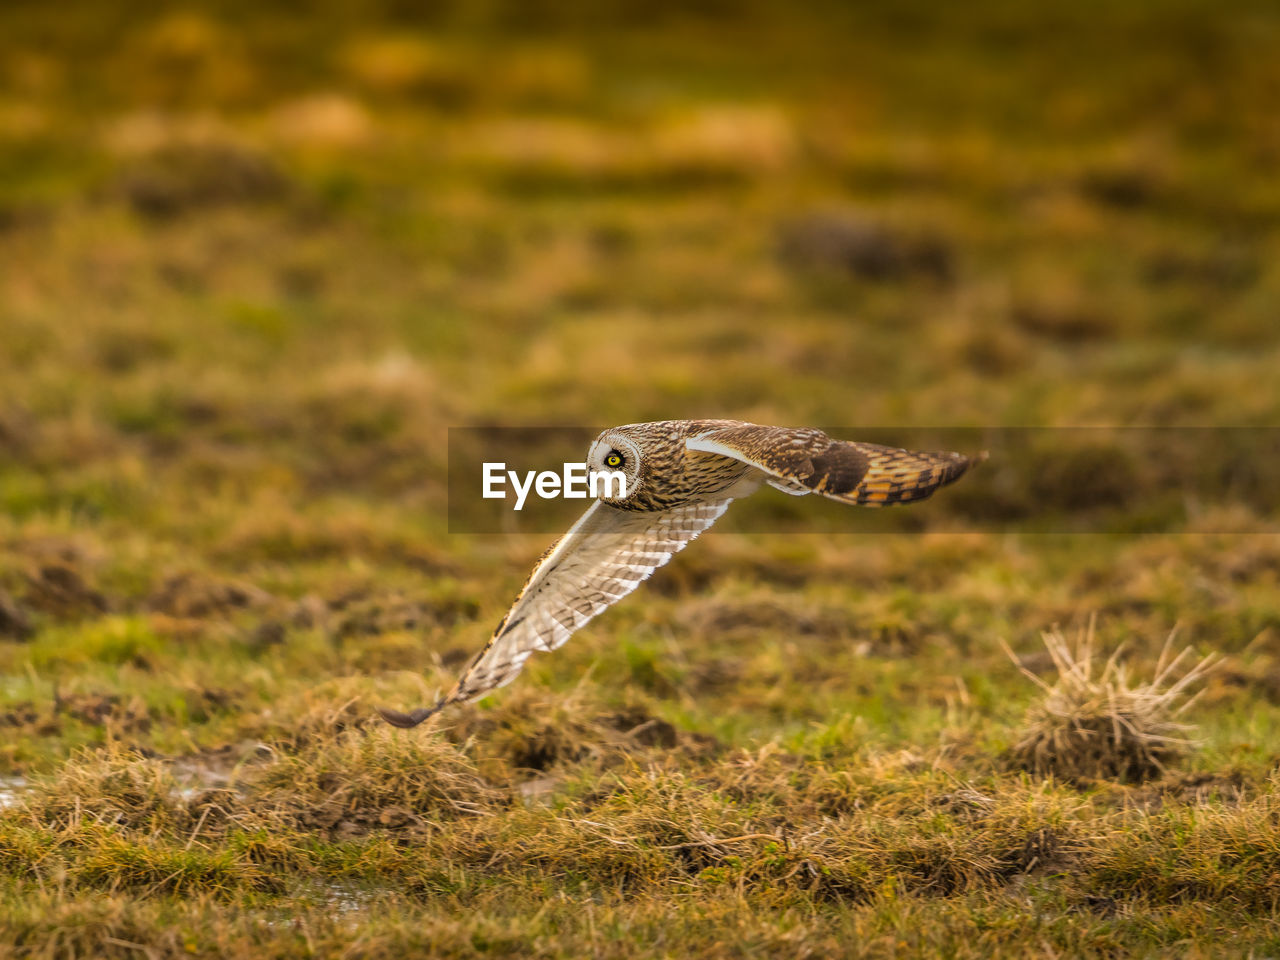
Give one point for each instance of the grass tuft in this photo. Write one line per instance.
(360, 780)
(1094, 725)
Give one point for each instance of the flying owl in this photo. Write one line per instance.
(681, 475)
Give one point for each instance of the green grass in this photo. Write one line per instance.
(257, 264)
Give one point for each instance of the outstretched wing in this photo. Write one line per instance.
(800, 461)
(603, 557)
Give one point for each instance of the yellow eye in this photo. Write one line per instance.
(614, 459)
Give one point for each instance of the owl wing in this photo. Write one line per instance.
(603, 557)
(800, 461)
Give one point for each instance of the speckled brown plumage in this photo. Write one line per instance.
(681, 476)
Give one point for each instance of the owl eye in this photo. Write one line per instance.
(614, 459)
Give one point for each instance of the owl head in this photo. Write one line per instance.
(617, 451)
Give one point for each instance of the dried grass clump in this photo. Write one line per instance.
(359, 780)
(114, 788)
(1108, 726)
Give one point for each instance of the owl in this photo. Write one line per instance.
(681, 475)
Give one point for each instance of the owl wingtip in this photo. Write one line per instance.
(406, 721)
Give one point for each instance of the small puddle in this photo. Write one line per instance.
(339, 900)
(537, 792)
(195, 777)
(11, 790)
(346, 899)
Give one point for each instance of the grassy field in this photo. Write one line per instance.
(254, 265)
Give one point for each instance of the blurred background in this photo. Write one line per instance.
(256, 261)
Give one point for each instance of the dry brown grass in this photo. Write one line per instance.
(1105, 724)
